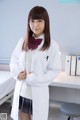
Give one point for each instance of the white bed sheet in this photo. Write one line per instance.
(7, 83)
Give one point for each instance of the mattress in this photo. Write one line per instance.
(7, 83)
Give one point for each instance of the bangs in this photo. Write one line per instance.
(36, 13)
(36, 16)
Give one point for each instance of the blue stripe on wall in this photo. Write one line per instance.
(4, 61)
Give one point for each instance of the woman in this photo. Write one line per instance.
(35, 63)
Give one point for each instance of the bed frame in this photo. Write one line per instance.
(9, 96)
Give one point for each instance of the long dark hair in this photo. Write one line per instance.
(38, 12)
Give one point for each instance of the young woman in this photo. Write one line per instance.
(35, 63)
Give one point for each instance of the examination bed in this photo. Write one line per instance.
(7, 85)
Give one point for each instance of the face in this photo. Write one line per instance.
(37, 26)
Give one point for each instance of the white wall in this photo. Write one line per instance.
(64, 23)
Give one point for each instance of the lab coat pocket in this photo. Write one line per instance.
(40, 62)
(44, 62)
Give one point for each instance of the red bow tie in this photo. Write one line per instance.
(33, 43)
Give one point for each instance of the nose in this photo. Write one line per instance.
(36, 24)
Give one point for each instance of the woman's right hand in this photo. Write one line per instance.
(22, 75)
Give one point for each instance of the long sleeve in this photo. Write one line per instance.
(14, 63)
(53, 69)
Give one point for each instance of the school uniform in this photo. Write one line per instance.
(44, 67)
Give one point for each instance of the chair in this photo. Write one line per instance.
(72, 110)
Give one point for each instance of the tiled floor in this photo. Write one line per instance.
(5, 108)
(54, 113)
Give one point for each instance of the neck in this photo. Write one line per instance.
(36, 36)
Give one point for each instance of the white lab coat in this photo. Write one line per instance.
(45, 67)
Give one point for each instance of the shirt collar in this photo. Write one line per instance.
(41, 36)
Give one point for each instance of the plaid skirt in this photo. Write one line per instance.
(25, 105)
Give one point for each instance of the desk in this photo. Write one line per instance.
(65, 88)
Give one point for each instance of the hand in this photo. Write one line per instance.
(22, 75)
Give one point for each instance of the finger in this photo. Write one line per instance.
(22, 74)
(22, 78)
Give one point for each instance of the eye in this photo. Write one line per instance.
(40, 20)
(32, 20)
